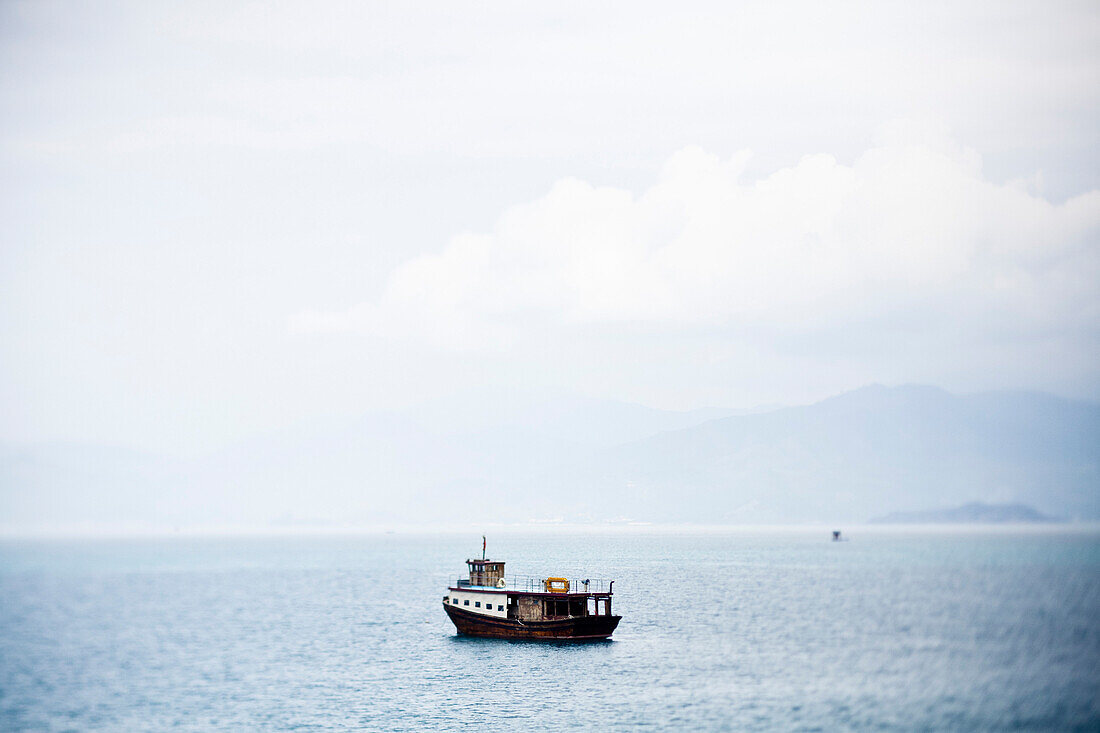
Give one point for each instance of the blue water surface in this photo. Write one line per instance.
(733, 630)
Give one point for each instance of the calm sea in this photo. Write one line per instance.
(772, 630)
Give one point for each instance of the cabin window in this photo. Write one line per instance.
(466, 602)
(557, 608)
(477, 604)
(454, 601)
(500, 608)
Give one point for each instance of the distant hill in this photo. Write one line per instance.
(862, 454)
(439, 463)
(975, 512)
(854, 456)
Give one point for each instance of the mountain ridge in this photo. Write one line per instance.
(859, 454)
(971, 513)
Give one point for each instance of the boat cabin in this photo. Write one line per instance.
(486, 591)
(486, 572)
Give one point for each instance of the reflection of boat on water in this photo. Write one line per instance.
(555, 609)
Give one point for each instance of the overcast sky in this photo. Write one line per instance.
(221, 218)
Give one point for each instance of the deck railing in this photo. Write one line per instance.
(533, 584)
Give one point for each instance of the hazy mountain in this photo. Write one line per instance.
(972, 513)
(76, 484)
(441, 462)
(858, 455)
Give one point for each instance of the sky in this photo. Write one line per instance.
(220, 219)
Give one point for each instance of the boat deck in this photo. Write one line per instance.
(536, 585)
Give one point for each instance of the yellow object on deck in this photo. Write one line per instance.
(557, 585)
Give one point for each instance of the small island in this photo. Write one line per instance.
(972, 513)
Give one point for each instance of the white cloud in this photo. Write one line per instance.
(910, 237)
(174, 175)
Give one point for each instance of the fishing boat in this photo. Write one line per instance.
(550, 609)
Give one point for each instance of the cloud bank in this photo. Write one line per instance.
(908, 244)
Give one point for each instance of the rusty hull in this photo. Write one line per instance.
(573, 628)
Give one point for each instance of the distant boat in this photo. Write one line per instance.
(551, 609)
